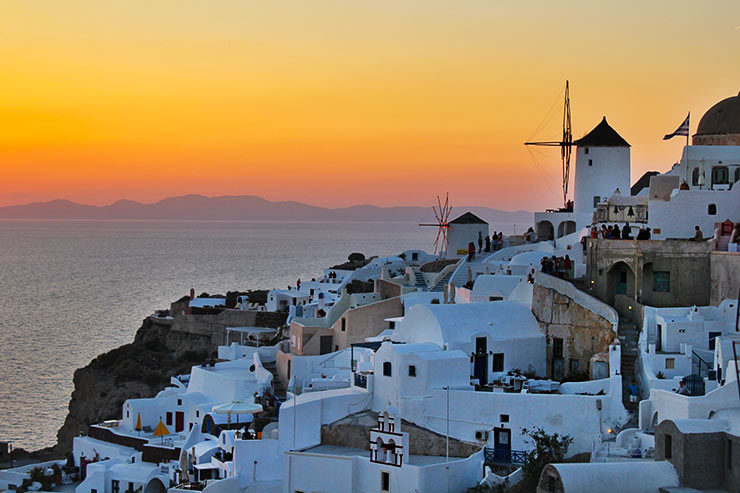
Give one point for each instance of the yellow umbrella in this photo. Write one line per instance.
(161, 430)
(138, 422)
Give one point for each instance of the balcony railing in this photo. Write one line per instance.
(494, 456)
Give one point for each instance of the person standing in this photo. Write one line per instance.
(488, 243)
(480, 242)
(567, 264)
(633, 391)
(471, 251)
(626, 232)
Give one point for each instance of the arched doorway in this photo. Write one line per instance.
(545, 231)
(620, 280)
(155, 485)
(565, 228)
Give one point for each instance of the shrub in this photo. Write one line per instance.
(547, 449)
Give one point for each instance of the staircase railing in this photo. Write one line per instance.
(701, 362)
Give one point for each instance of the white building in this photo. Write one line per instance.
(499, 335)
(602, 168)
(463, 230)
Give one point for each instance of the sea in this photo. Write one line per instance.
(71, 290)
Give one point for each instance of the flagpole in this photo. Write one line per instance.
(688, 120)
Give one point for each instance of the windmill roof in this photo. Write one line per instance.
(468, 218)
(603, 135)
(643, 182)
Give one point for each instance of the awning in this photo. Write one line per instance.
(205, 466)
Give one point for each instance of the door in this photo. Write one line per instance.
(659, 339)
(622, 282)
(179, 421)
(712, 341)
(502, 444)
(325, 344)
(557, 368)
(481, 360)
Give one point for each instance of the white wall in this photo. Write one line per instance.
(610, 170)
(691, 206)
(459, 235)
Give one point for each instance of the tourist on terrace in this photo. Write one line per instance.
(682, 388)
(615, 232)
(567, 264)
(626, 232)
(471, 251)
(488, 243)
(698, 236)
(480, 241)
(494, 240)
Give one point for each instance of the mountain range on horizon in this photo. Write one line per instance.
(245, 207)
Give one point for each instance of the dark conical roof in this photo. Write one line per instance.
(603, 135)
(468, 218)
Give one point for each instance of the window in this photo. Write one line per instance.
(668, 446)
(737, 174)
(597, 199)
(169, 418)
(720, 175)
(130, 487)
(557, 347)
(197, 414)
(575, 366)
(179, 402)
(590, 162)
(93, 490)
(415, 256)
(387, 369)
(412, 370)
(585, 151)
(662, 282)
(670, 363)
(495, 298)
(385, 481)
(128, 414)
(114, 486)
(504, 418)
(695, 177)
(712, 209)
(498, 362)
(344, 324)
(712, 339)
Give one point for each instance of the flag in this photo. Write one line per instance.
(683, 129)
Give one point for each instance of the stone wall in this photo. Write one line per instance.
(214, 326)
(584, 331)
(354, 431)
(687, 263)
(725, 273)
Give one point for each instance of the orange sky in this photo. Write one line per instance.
(342, 102)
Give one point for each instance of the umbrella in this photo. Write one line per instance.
(161, 430)
(237, 407)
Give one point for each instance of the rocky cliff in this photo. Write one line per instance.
(139, 369)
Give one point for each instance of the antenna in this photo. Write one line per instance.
(442, 215)
(565, 144)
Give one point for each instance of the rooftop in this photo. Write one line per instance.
(603, 135)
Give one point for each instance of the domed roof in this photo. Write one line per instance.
(722, 118)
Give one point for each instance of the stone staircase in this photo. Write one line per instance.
(440, 286)
(277, 385)
(420, 282)
(628, 335)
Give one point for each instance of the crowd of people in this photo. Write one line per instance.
(486, 244)
(561, 267)
(615, 233)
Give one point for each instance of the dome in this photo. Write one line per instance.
(720, 125)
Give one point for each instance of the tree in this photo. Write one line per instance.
(547, 449)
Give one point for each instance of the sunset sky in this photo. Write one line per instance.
(342, 102)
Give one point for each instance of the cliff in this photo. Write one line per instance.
(139, 369)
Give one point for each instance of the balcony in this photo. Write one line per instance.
(503, 457)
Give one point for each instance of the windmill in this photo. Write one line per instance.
(442, 215)
(565, 144)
